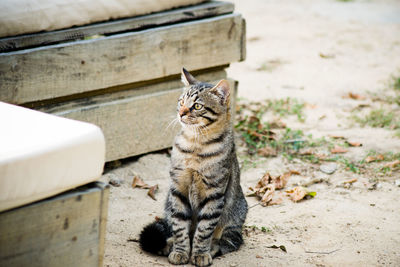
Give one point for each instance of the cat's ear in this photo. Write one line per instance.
(187, 78)
(222, 90)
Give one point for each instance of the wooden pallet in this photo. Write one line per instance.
(65, 230)
(122, 75)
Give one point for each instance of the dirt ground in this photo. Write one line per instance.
(317, 52)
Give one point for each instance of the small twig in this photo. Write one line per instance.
(254, 205)
(322, 252)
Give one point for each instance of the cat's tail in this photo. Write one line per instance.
(154, 236)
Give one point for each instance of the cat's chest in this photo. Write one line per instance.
(193, 155)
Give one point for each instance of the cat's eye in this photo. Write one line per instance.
(198, 106)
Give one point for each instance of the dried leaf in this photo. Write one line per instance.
(267, 152)
(275, 201)
(370, 159)
(265, 180)
(334, 136)
(354, 96)
(259, 257)
(281, 247)
(322, 55)
(338, 149)
(294, 172)
(277, 124)
(350, 181)
(392, 164)
(267, 196)
(299, 192)
(254, 119)
(281, 181)
(137, 182)
(307, 152)
(374, 158)
(152, 191)
(353, 143)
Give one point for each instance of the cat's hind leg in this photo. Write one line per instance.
(230, 240)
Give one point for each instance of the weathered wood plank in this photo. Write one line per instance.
(66, 69)
(133, 122)
(60, 231)
(204, 10)
(105, 194)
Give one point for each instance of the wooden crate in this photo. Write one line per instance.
(65, 230)
(126, 79)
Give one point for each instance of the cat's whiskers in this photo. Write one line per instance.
(172, 123)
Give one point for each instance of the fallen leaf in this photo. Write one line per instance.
(353, 143)
(254, 38)
(152, 191)
(370, 159)
(281, 247)
(265, 180)
(354, 96)
(259, 257)
(137, 182)
(350, 181)
(336, 136)
(338, 149)
(379, 157)
(294, 172)
(267, 152)
(277, 124)
(298, 193)
(275, 201)
(281, 181)
(322, 55)
(307, 152)
(392, 164)
(267, 195)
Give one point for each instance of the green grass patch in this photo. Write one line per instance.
(378, 118)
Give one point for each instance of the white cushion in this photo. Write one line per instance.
(42, 155)
(29, 16)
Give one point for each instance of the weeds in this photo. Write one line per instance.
(379, 118)
(386, 116)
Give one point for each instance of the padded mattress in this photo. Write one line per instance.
(42, 155)
(30, 16)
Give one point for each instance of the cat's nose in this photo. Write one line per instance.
(183, 111)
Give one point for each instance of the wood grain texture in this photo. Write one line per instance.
(82, 66)
(59, 231)
(204, 10)
(133, 121)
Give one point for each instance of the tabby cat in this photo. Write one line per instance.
(205, 208)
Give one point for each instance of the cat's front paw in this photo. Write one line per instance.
(178, 257)
(204, 259)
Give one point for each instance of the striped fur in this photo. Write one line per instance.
(205, 207)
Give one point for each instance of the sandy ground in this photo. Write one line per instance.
(360, 46)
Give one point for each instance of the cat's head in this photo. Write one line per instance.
(202, 104)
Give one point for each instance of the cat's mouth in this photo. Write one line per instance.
(188, 120)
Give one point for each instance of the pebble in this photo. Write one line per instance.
(328, 168)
